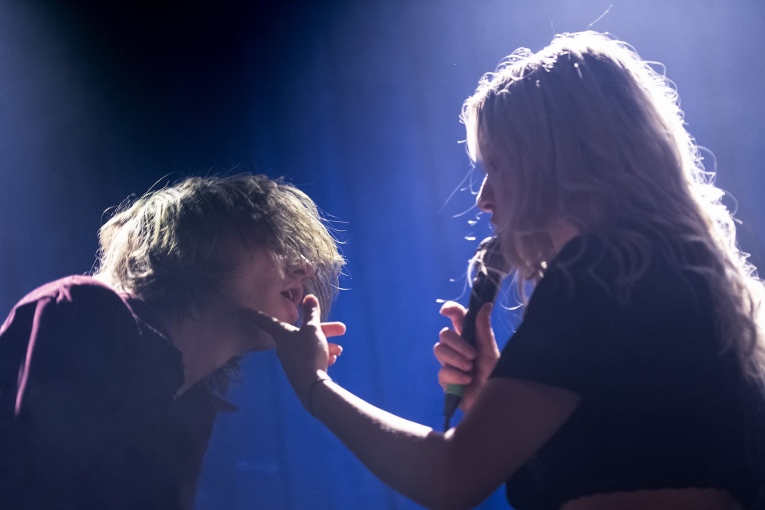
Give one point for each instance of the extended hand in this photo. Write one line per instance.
(304, 351)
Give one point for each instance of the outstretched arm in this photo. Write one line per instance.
(509, 421)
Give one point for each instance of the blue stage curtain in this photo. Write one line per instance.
(357, 103)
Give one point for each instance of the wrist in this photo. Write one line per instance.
(321, 378)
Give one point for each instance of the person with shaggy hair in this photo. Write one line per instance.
(636, 377)
(111, 382)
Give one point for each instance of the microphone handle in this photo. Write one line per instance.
(484, 291)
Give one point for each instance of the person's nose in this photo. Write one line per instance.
(485, 198)
(304, 271)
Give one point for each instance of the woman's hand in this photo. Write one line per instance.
(304, 352)
(461, 363)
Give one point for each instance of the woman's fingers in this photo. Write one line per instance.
(450, 338)
(312, 328)
(311, 312)
(333, 350)
(333, 329)
(277, 329)
(448, 356)
(450, 375)
(455, 312)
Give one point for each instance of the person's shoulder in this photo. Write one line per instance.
(626, 263)
(581, 252)
(78, 300)
(598, 270)
(74, 289)
(583, 261)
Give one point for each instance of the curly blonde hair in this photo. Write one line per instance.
(588, 132)
(160, 246)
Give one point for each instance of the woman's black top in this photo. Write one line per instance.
(662, 404)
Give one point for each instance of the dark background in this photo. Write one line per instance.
(355, 102)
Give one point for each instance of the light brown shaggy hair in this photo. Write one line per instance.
(159, 247)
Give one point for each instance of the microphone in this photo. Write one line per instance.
(490, 269)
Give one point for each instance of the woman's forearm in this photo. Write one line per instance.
(508, 423)
(409, 457)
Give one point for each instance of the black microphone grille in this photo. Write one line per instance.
(488, 258)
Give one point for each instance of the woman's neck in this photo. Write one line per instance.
(561, 232)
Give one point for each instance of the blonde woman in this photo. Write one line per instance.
(117, 391)
(635, 379)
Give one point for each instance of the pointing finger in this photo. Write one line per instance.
(311, 312)
(332, 328)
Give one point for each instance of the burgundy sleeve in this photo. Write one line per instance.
(71, 428)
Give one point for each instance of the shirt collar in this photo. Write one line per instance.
(168, 357)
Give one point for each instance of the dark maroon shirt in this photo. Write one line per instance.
(88, 413)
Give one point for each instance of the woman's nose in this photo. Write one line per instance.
(485, 198)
